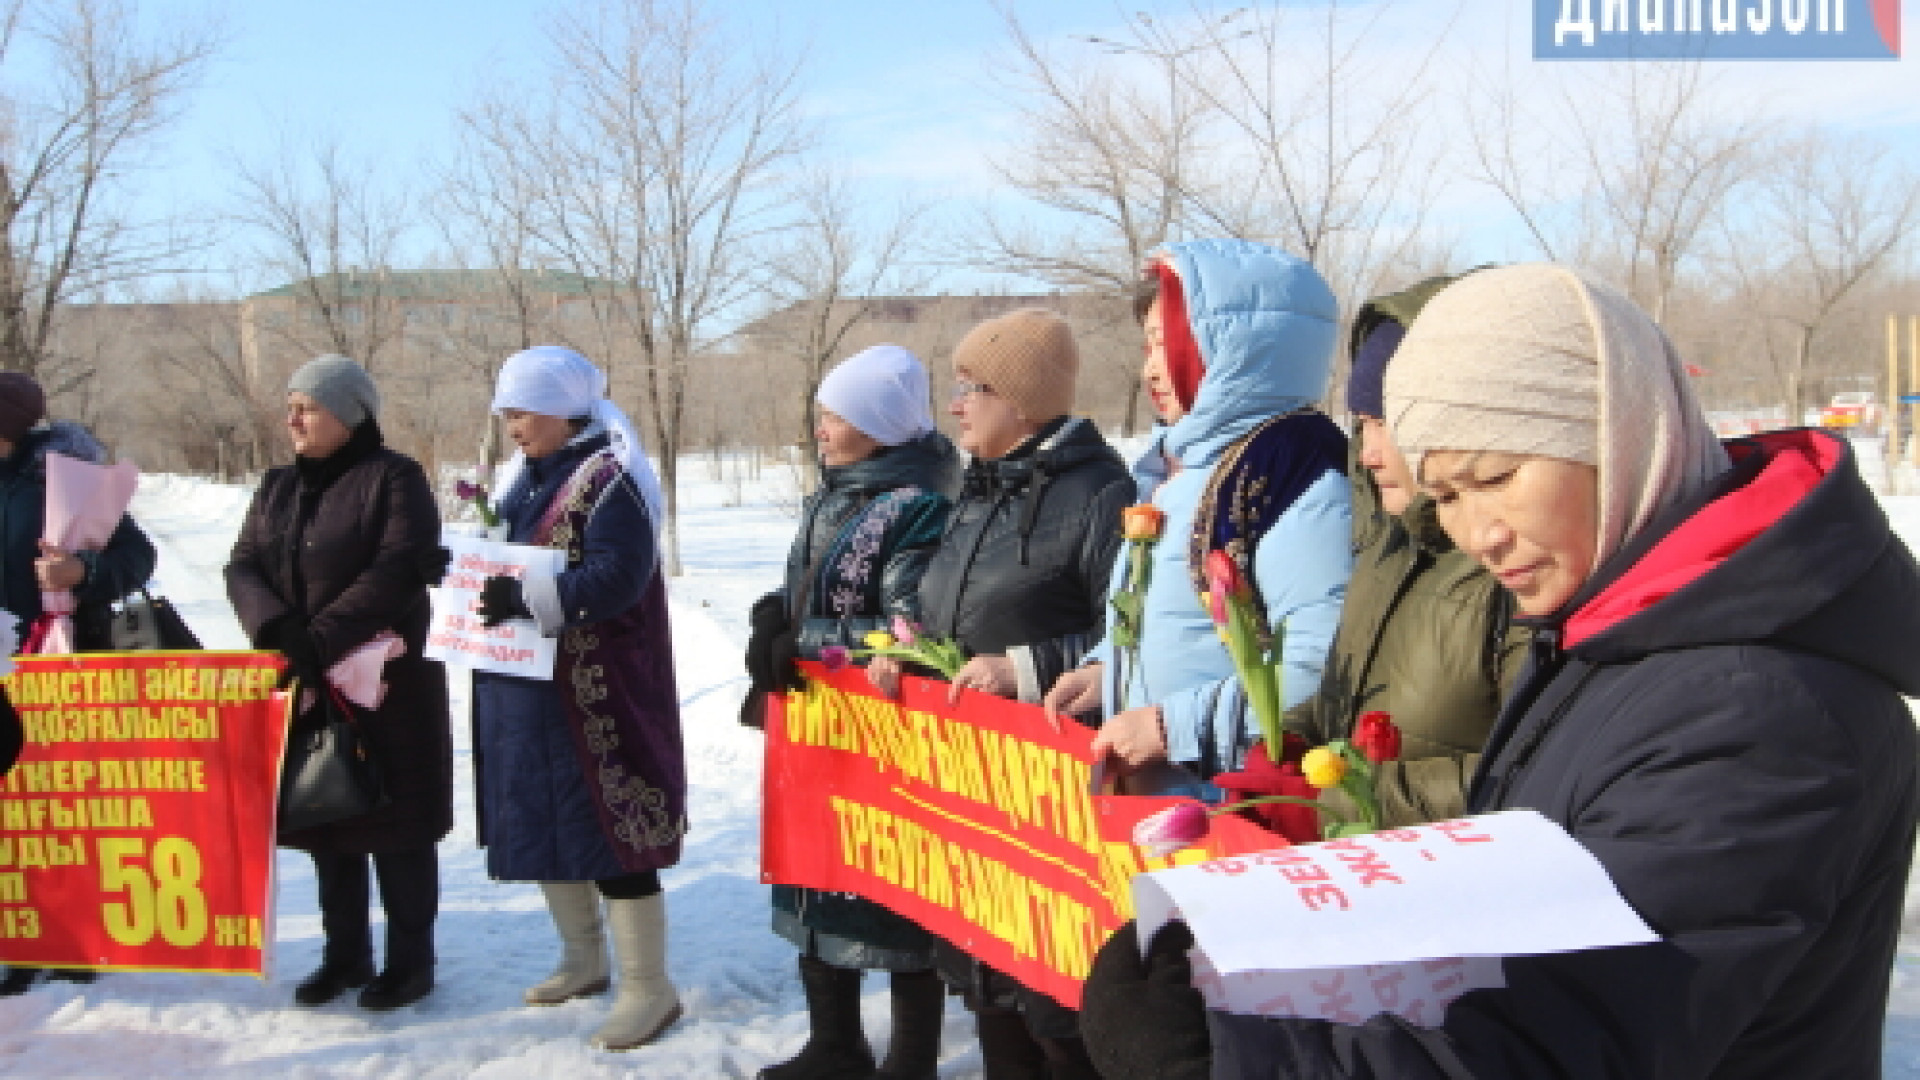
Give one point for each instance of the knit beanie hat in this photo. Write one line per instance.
(341, 386)
(22, 405)
(1366, 382)
(1026, 356)
(882, 391)
(1538, 359)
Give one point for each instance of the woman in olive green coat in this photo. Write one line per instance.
(1426, 634)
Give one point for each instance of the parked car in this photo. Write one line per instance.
(1851, 409)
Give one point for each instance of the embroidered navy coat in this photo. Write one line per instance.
(537, 816)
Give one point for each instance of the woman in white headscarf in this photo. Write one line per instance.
(865, 538)
(1713, 710)
(582, 780)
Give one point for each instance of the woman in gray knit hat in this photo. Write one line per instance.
(336, 550)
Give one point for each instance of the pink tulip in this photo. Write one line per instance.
(904, 632)
(835, 657)
(1172, 829)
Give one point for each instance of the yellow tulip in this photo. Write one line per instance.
(1323, 768)
(879, 639)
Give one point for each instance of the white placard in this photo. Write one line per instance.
(515, 647)
(1420, 990)
(1346, 927)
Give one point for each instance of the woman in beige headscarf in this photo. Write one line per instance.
(1713, 709)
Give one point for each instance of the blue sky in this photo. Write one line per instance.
(902, 88)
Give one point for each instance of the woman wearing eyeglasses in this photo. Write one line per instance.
(1020, 583)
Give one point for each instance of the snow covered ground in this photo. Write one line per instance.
(744, 1008)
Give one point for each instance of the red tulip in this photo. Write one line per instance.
(835, 657)
(1376, 737)
(1223, 583)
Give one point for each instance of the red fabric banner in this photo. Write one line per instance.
(976, 821)
(136, 831)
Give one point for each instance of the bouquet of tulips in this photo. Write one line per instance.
(906, 642)
(468, 491)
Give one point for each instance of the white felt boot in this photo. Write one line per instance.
(575, 906)
(647, 1001)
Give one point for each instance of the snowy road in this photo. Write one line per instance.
(743, 1005)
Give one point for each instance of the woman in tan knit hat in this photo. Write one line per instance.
(1020, 583)
(1713, 709)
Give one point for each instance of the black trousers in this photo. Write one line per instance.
(409, 894)
(635, 886)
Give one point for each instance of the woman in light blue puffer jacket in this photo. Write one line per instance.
(1240, 337)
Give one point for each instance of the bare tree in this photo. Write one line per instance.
(1111, 153)
(1831, 213)
(656, 169)
(1647, 166)
(221, 400)
(1326, 155)
(71, 140)
(488, 201)
(828, 272)
(331, 231)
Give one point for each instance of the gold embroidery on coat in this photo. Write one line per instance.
(639, 809)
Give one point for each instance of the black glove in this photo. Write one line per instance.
(501, 599)
(781, 653)
(1145, 1020)
(768, 618)
(433, 565)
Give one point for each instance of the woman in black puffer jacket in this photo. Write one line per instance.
(1020, 583)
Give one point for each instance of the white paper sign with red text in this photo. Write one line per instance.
(1401, 921)
(455, 636)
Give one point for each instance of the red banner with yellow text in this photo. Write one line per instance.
(975, 820)
(137, 829)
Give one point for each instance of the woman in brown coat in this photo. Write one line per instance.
(336, 549)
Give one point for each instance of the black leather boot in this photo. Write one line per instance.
(397, 987)
(919, 1004)
(19, 980)
(331, 979)
(837, 1044)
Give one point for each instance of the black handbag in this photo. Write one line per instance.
(138, 621)
(328, 774)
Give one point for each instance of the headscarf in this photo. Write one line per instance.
(1184, 366)
(556, 381)
(1540, 359)
(882, 391)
